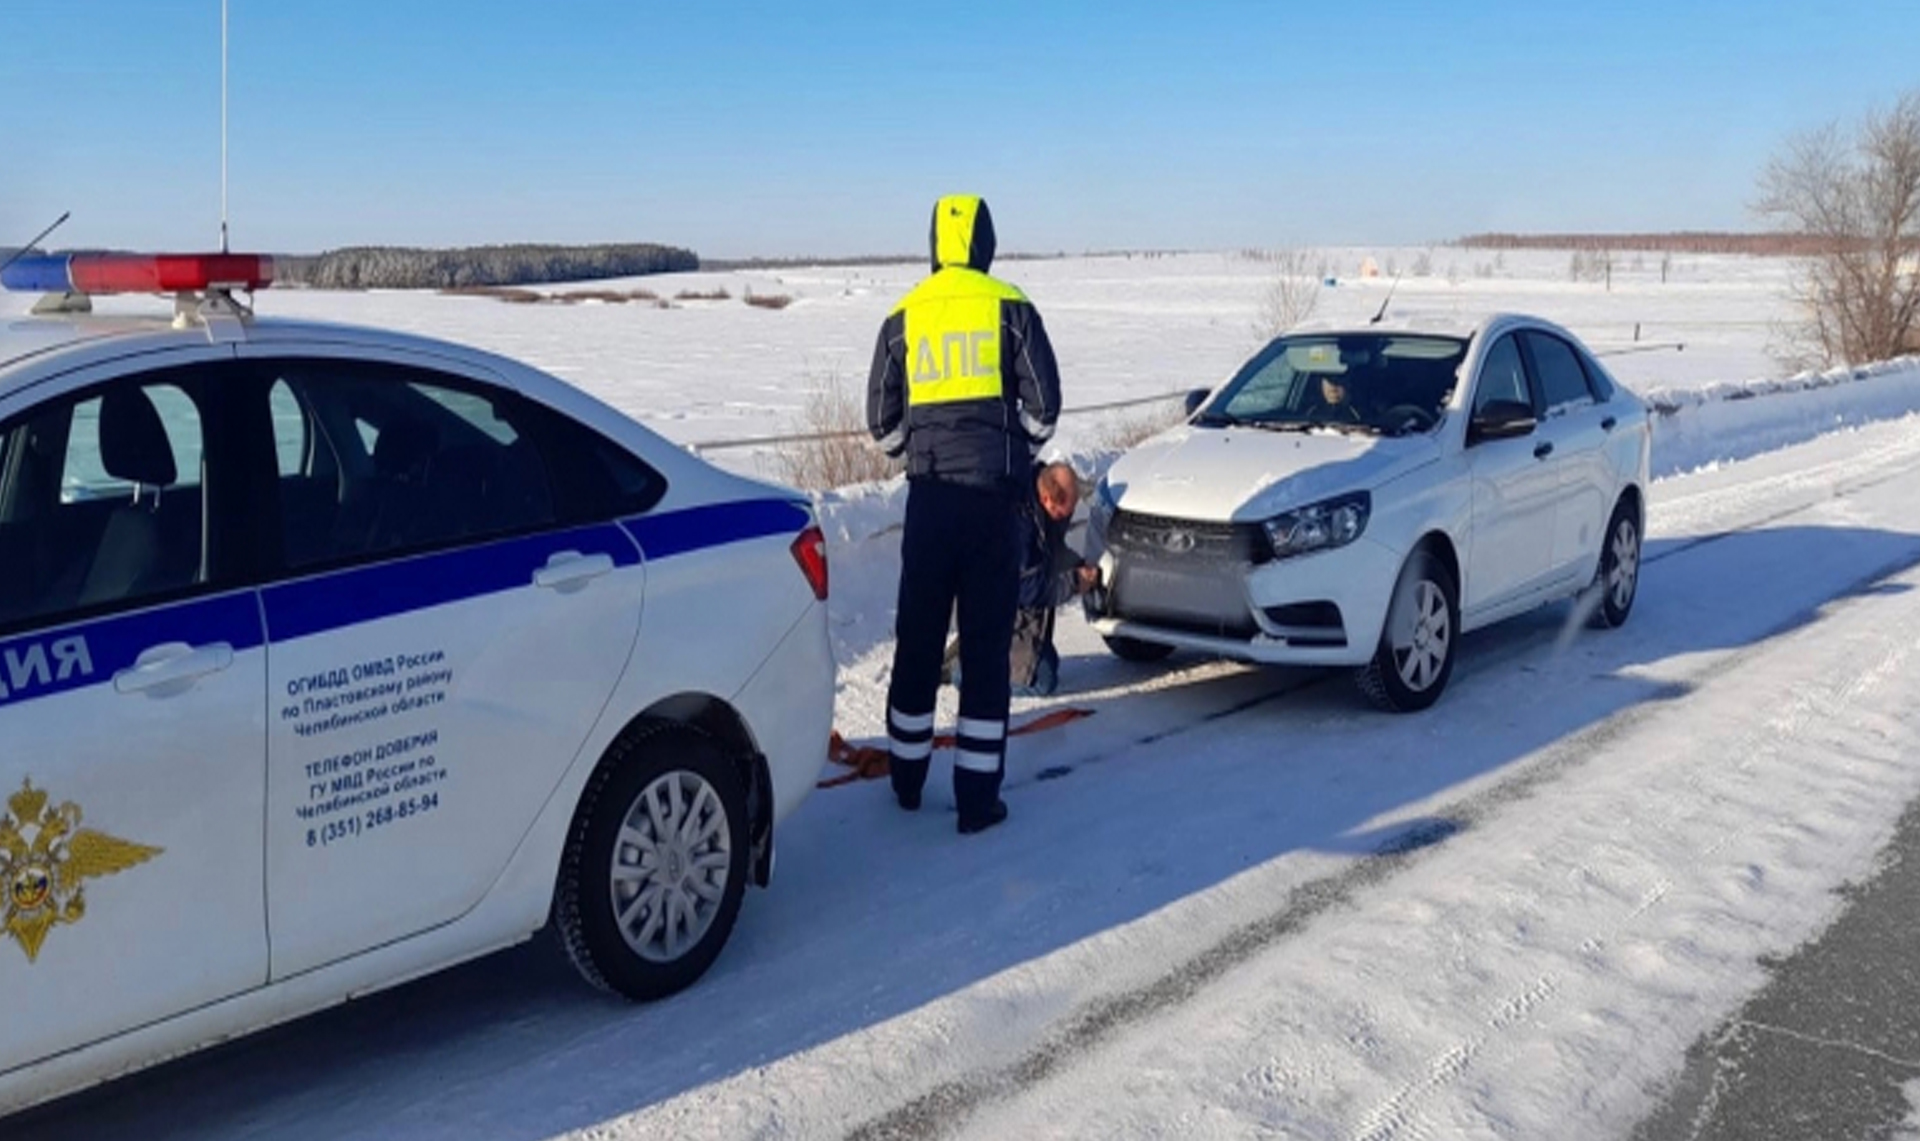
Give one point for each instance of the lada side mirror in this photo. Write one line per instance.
(1501, 420)
(1196, 397)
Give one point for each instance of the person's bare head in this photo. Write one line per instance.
(1059, 490)
(1333, 390)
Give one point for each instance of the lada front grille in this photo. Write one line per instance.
(1188, 540)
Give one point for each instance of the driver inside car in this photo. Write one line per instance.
(1335, 404)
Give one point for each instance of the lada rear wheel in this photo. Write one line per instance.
(1618, 579)
(656, 863)
(1134, 650)
(1411, 666)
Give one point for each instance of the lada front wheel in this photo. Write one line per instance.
(1411, 665)
(656, 863)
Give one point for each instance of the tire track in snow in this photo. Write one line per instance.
(944, 1108)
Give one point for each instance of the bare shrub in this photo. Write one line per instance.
(768, 300)
(702, 295)
(1423, 264)
(1121, 431)
(837, 451)
(609, 296)
(642, 295)
(497, 292)
(1290, 296)
(1856, 193)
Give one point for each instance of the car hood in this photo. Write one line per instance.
(1250, 473)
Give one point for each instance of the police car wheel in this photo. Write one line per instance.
(656, 863)
(1134, 650)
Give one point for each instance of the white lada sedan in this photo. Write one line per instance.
(330, 657)
(1363, 496)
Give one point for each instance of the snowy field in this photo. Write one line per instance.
(1122, 326)
(1234, 902)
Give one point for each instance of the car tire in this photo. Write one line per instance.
(1618, 580)
(655, 781)
(1418, 641)
(1134, 650)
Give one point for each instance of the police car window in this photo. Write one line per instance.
(1502, 376)
(594, 478)
(290, 432)
(86, 475)
(102, 505)
(475, 410)
(422, 465)
(1562, 380)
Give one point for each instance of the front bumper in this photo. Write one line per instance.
(1322, 609)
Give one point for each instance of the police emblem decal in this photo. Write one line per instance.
(46, 859)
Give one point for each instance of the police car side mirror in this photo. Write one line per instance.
(1196, 397)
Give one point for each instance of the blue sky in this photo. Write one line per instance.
(817, 127)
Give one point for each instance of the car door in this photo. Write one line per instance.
(1516, 487)
(132, 718)
(1573, 425)
(443, 634)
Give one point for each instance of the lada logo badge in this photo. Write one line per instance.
(46, 858)
(1179, 542)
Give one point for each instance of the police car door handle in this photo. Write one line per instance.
(570, 570)
(172, 667)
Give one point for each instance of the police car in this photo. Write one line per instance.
(330, 657)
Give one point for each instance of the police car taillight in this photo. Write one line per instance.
(810, 551)
(98, 274)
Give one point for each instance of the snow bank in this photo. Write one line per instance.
(1719, 423)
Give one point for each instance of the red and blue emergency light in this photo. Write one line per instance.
(136, 273)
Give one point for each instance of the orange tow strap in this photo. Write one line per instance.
(869, 762)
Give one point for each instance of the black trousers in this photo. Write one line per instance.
(959, 546)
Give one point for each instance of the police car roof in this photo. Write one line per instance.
(27, 340)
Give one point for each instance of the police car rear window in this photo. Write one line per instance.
(413, 464)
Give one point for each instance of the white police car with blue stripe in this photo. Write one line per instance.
(330, 657)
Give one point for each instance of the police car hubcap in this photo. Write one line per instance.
(670, 866)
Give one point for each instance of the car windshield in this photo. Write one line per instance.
(1376, 383)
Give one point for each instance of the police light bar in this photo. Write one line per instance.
(136, 273)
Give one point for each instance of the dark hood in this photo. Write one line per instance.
(962, 233)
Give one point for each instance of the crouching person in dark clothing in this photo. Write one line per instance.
(1050, 573)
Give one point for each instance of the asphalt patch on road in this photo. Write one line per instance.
(1823, 1049)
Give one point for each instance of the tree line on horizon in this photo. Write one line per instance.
(1759, 244)
(399, 267)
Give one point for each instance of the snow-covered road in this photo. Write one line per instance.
(1243, 904)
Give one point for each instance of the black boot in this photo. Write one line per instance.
(993, 815)
(977, 796)
(909, 777)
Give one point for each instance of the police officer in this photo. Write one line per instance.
(965, 386)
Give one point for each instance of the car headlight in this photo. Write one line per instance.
(1104, 505)
(1320, 526)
